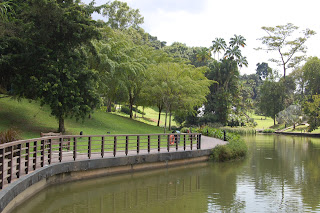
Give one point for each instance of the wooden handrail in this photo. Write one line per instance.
(19, 158)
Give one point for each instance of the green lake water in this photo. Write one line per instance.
(280, 174)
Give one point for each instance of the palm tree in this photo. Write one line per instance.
(233, 52)
(5, 9)
(242, 61)
(218, 45)
(237, 41)
(203, 54)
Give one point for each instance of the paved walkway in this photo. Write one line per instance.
(210, 143)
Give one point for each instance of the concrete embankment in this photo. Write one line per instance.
(306, 134)
(21, 189)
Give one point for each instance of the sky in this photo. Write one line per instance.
(199, 22)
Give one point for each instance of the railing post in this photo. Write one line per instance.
(10, 164)
(50, 152)
(89, 147)
(127, 145)
(35, 147)
(159, 139)
(138, 144)
(19, 160)
(114, 146)
(148, 143)
(177, 139)
(42, 153)
(199, 141)
(60, 149)
(74, 148)
(184, 142)
(102, 146)
(2, 168)
(168, 143)
(191, 141)
(27, 158)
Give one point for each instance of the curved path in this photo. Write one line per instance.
(210, 143)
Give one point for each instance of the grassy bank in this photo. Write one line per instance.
(31, 119)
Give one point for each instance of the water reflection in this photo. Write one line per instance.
(280, 174)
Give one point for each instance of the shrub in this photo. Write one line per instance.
(268, 131)
(9, 136)
(235, 149)
(240, 130)
(125, 110)
(138, 111)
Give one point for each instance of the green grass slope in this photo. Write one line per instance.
(31, 119)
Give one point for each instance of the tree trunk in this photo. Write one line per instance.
(135, 112)
(170, 120)
(108, 105)
(274, 121)
(61, 125)
(165, 121)
(131, 101)
(131, 107)
(143, 112)
(160, 110)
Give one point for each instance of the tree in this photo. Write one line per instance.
(223, 94)
(263, 70)
(312, 110)
(237, 40)
(178, 86)
(271, 98)
(121, 16)
(6, 10)
(217, 45)
(298, 75)
(203, 54)
(290, 116)
(47, 58)
(311, 71)
(279, 40)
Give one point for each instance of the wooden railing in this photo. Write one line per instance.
(22, 157)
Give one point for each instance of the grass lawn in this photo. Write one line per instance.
(262, 121)
(151, 116)
(31, 119)
(302, 128)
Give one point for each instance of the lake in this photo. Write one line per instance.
(280, 174)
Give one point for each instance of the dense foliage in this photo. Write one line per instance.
(54, 52)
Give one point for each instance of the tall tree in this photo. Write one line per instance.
(263, 70)
(271, 98)
(222, 95)
(279, 40)
(121, 16)
(312, 110)
(311, 71)
(218, 45)
(49, 63)
(177, 86)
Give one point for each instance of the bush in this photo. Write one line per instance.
(9, 136)
(268, 131)
(240, 130)
(125, 110)
(236, 147)
(138, 111)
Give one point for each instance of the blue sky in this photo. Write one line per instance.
(198, 22)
